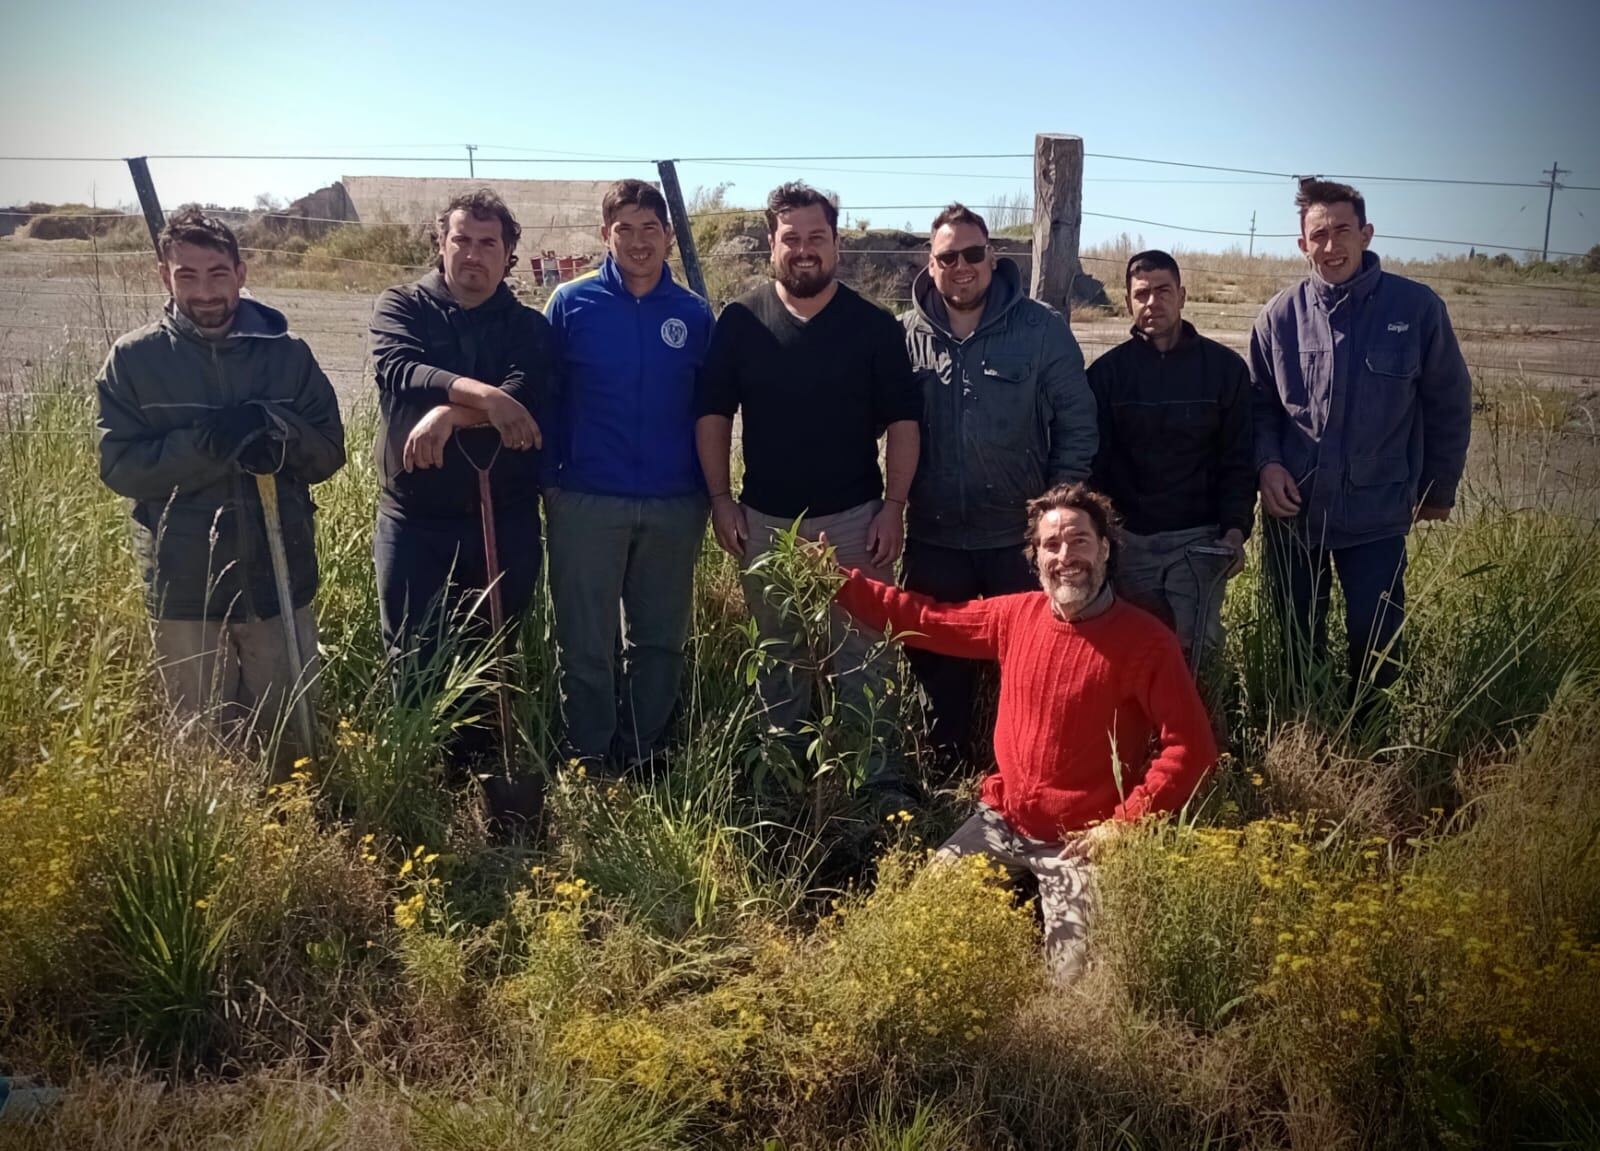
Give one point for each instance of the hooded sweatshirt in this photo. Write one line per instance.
(422, 339)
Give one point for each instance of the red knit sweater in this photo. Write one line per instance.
(1070, 693)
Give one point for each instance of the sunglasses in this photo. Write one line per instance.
(976, 254)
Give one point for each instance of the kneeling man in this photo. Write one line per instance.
(1087, 683)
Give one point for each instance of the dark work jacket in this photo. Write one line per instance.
(1361, 392)
(421, 341)
(1175, 434)
(199, 531)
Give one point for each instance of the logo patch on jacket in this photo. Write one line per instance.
(674, 333)
(1399, 326)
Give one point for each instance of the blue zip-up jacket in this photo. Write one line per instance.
(1362, 394)
(625, 424)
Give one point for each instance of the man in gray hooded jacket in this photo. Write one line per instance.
(1007, 414)
(1363, 411)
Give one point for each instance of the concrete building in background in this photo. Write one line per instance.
(560, 218)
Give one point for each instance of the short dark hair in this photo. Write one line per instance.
(1083, 498)
(480, 205)
(1153, 260)
(799, 194)
(190, 225)
(1326, 192)
(959, 213)
(633, 194)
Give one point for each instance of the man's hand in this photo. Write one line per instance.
(1092, 844)
(1433, 512)
(1280, 495)
(518, 430)
(886, 534)
(229, 431)
(1233, 539)
(729, 525)
(426, 444)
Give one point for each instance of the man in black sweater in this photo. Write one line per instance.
(1175, 457)
(463, 370)
(819, 374)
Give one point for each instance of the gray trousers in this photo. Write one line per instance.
(1066, 884)
(233, 680)
(621, 574)
(1157, 573)
(785, 686)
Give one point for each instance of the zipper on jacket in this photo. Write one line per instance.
(958, 388)
(241, 530)
(638, 389)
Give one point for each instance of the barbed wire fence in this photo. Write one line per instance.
(863, 255)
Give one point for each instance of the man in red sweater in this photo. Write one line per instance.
(1086, 681)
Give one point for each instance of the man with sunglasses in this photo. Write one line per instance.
(1176, 458)
(1007, 414)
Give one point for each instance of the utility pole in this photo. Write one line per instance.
(1554, 172)
(472, 170)
(1252, 233)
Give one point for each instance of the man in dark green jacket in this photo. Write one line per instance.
(1006, 414)
(189, 405)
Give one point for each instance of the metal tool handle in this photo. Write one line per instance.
(267, 489)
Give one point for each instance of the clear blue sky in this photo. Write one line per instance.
(1467, 89)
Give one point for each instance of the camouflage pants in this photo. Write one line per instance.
(1066, 884)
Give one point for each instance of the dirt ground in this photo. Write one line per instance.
(1535, 352)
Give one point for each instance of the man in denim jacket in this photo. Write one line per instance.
(1363, 410)
(1006, 414)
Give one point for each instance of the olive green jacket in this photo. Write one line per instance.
(198, 526)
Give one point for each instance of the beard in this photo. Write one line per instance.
(1074, 590)
(804, 284)
(209, 315)
(973, 305)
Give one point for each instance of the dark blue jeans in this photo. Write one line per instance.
(951, 575)
(1373, 576)
(425, 569)
(423, 562)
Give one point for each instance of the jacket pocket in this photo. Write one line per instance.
(1007, 402)
(1395, 361)
(1378, 494)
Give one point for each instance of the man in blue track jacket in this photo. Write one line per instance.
(624, 497)
(1363, 411)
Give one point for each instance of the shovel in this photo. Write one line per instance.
(267, 489)
(497, 614)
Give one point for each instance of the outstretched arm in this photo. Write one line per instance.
(970, 630)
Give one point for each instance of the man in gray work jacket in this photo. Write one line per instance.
(218, 388)
(1363, 410)
(1007, 414)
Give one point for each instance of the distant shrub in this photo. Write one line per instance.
(401, 246)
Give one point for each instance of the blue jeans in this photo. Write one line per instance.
(1373, 576)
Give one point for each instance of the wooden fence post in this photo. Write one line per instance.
(154, 218)
(682, 226)
(1057, 218)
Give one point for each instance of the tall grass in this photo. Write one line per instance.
(1344, 942)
